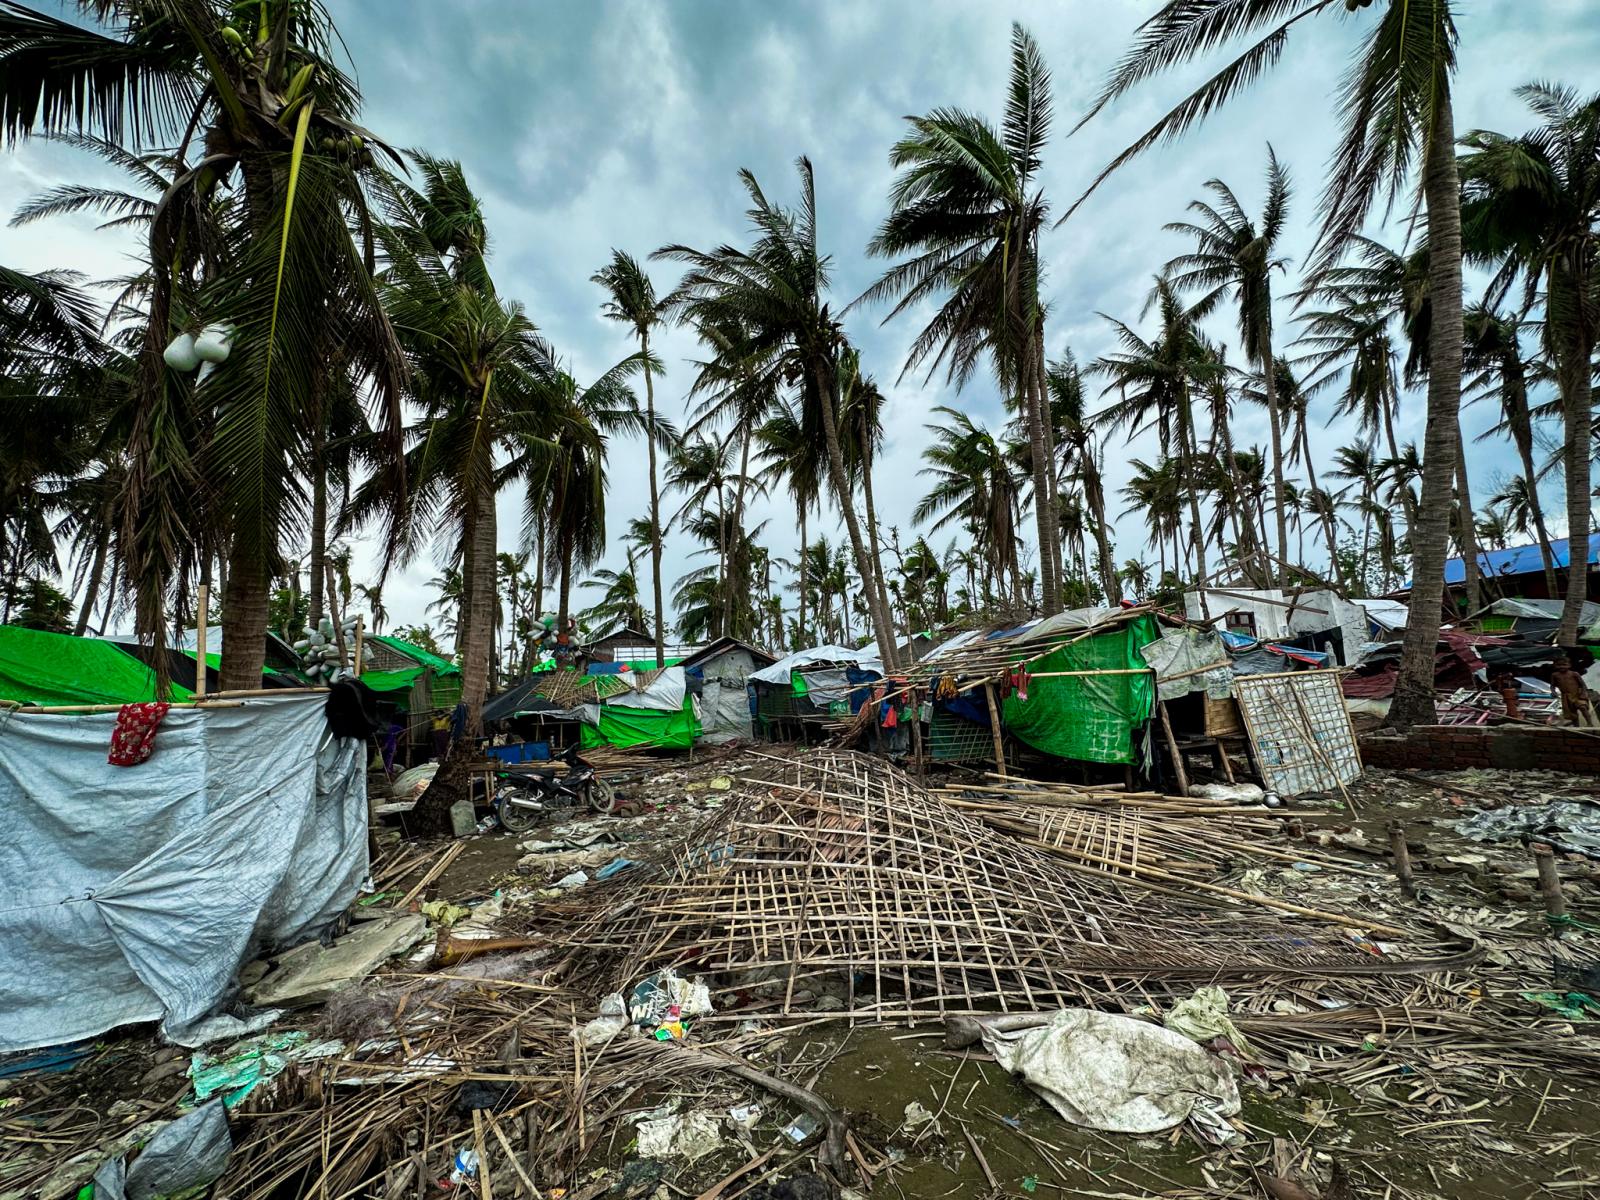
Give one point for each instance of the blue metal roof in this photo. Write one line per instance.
(1517, 560)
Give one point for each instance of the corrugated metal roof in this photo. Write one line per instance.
(1517, 560)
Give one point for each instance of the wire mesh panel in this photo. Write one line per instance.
(1300, 730)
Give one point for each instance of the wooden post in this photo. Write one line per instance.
(1402, 858)
(360, 631)
(1555, 900)
(916, 737)
(994, 729)
(203, 598)
(1172, 749)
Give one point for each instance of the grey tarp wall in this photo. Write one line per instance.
(725, 700)
(135, 893)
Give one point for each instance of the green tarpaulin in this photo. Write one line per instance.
(1087, 717)
(441, 666)
(621, 726)
(392, 681)
(56, 668)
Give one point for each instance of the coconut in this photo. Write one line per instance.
(180, 353)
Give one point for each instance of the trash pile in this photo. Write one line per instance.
(1105, 991)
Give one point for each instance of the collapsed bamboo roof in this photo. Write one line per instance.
(977, 656)
(835, 863)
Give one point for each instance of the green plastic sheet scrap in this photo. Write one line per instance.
(1088, 717)
(251, 1063)
(1574, 1006)
(621, 726)
(392, 681)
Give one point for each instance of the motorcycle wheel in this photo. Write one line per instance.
(602, 797)
(516, 818)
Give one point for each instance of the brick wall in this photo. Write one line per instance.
(1455, 747)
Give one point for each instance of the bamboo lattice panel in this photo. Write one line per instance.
(1301, 730)
(836, 864)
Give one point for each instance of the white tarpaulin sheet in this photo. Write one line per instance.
(664, 693)
(136, 893)
(779, 671)
(1105, 1071)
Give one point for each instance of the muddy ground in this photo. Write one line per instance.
(1399, 1123)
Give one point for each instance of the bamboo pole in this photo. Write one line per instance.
(360, 632)
(994, 729)
(1172, 749)
(203, 599)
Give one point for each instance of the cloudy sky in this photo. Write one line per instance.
(622, 123)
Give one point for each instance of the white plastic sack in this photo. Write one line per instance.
(136, 893)
(1110, 1072)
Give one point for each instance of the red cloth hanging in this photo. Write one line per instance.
(134, 738)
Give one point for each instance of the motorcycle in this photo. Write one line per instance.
(532, 790)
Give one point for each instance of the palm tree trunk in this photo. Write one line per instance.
(1094, 496)
(1324, 510)
(1192, 452)
(1269, 375)
(1043, 511)
(1575, 344)
(244, 623)
(800, 620)
(479, 606)
(739, 628)
(96, 572)
(1047, 430)
(1413, 698)
(872, 536)
(1467, 532)
(538, 573)
(841, 490)
(655, 499)
(1519, 420)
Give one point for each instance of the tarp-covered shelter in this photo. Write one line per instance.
(1534, 620)
(721, 673)
(813, 685)
(136, 893)
(416, 678)
(656, 711)
(1319, 621)
(1088, 690)
(40, 668)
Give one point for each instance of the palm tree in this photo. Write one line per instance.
(701, 470)
(1234, 254)
(1396, 108)
(777, 291)
(482, 377)
(1155, 381)
(967, 211)
(1533, 205)
(861, 406)
(1294, 404)
(631, 301)
(1156, 491)
(1137, 576)
(1074, 434)
(789, 451)
(259, 99)
(732, 386)
(973, 483)
(372, 600)
(1493, 351)
(618, 606)
(1360, 468)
